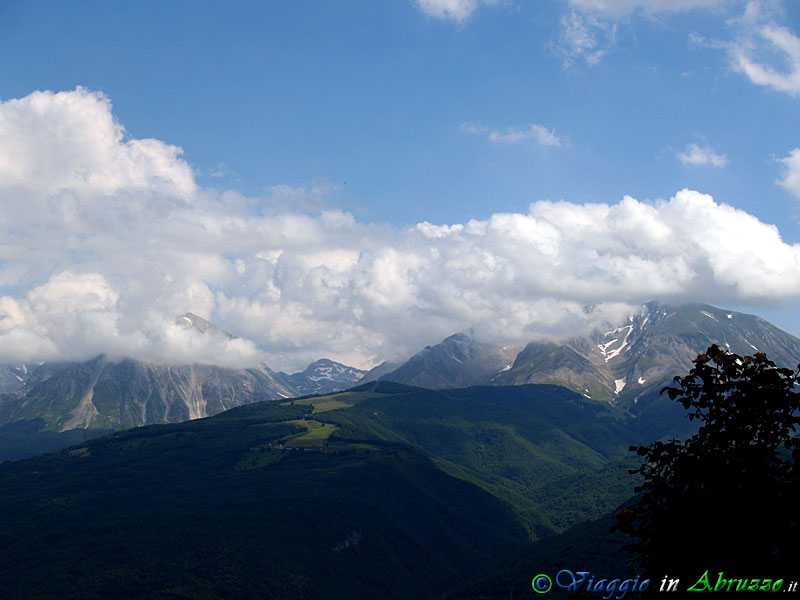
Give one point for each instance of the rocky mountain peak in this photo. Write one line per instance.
(202, 325)
(324, 376)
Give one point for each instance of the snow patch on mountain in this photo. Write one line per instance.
(324, 376)
(608, 350)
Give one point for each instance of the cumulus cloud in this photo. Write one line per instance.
(87, 267)
(70, 141)
(791, 172)
(453, 10)
(513, 135)
(76, 316)
(702, 156)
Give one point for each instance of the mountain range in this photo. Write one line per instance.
(44, 406)
(513, 466)
(623, 364)
(384, 490)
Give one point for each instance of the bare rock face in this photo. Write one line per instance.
(111, 395)
(101, 394)
(621, 363)
(458, 361)
(323, 377)
(625, 364)
(14, 377)
(202, 325)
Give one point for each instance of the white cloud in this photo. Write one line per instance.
(474, 128)
(769, 55)
(618, 8)
(588, 31)
(513, 135)
(461, 10)
(584, 37)
(70, 141)
(77, 316)
(700, 41)
(95, 268)
(454, 10)
(700, 156)
(791, 175)
(766, 52)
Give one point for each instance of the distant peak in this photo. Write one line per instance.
(324, 361)
(202, 325)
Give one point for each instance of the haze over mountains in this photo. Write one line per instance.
(382, 486)
(382, 490)
(620, 365)
(625, 364)
(101, 394)
(511, 203)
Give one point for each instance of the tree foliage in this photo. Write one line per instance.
(727, 497)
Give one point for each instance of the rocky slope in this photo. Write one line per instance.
(622, 363)
(458, 361)
(101, 394)
(109, 395)
(14, 377)
(323, 377)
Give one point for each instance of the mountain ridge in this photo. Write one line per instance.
(323, 376)
(105, 394)
(622, 364)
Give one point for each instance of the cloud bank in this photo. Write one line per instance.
(105, 239)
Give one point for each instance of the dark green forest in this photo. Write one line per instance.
(384, 490)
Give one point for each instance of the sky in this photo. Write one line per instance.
(358, 179)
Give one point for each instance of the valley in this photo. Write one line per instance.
(413, 491)
(398, 300)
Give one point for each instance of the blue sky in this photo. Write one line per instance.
(386, 114)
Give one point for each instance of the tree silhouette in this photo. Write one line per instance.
(726, 499)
